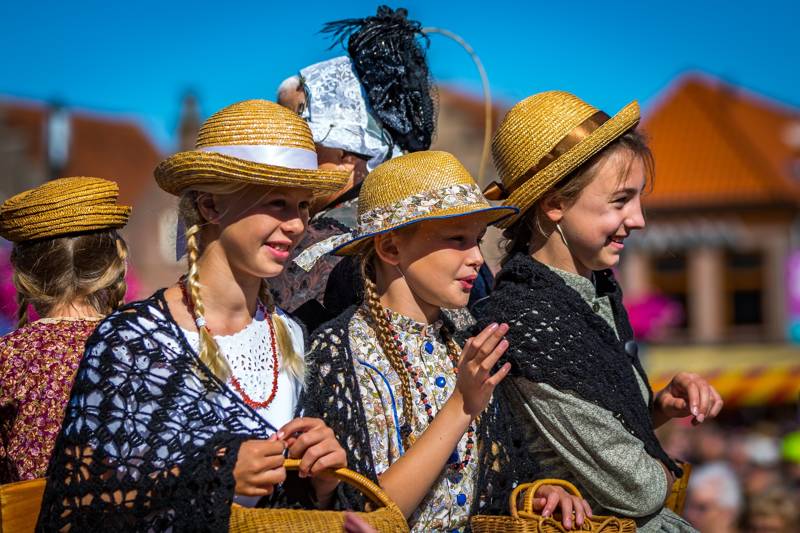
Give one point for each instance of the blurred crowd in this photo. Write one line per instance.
(746, 471)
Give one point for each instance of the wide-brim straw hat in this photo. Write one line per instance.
(62, 207)
(406, 190)
(255, 142)
(544, 138)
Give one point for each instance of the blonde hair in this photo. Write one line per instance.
(383, 332)
(209, 352)
(55, 272)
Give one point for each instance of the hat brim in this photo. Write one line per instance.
(186, 169)
(538, 184)
(498, 213)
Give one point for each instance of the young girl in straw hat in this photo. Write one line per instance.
(69, 264)
(185, 400)
(577, 397)
(388, 376)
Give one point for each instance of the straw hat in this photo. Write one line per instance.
(60, 207)
(251, 142)
(543, 139)
(408, 189)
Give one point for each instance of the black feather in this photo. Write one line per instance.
(389, 59)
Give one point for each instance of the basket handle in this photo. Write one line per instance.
(530, 490)
(372, 491)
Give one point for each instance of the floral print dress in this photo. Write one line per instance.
(447, 505)
(38, 363)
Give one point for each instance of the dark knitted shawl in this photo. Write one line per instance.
(556, 339)
(332, 393)
(150, 437)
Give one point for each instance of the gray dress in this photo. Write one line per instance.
(583, 443)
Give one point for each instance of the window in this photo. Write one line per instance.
(669, 277)
(744, 279)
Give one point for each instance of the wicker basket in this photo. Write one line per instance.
(525, 520)
(386, 518)
(677, 495)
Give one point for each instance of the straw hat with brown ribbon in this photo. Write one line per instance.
(543, 139)
(405, 190)
(61, 207)
(252, 142)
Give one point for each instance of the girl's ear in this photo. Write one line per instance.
(386, 248)
(552, 207)
(207, 207)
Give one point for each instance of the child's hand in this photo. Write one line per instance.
(475, 382)
(259, 467)
(687, 395)
(314, 443)
(548, 498)
(354, 524)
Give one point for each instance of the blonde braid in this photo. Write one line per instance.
(453, 349)
(382, 328)
(118, 290)
(209, 351)
(22, 311)
(291, 360)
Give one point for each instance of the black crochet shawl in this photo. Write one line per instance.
(332, 393)
(555, 338)
(150, 437)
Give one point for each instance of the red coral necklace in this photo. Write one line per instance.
(234, 380)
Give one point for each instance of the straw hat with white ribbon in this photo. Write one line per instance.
(251, 142)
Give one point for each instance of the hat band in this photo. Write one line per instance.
(267, 154)
(417, 205)
(384, 218)
(498, 191)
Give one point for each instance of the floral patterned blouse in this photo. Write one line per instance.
(38, 363)
(446, 507)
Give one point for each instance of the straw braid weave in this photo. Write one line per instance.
(62, 206)
(408, 175)
(244, 123)
(253, 123)
(533, 127)
(395, 187)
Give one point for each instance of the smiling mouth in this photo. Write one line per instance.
(281, 247)
(617, 242)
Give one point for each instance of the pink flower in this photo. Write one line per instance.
(653, 315)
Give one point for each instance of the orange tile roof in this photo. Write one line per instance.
(100, 146)
(717, 145)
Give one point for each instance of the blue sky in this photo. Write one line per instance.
(137, 58)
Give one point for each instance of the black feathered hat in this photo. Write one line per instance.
(389, 59)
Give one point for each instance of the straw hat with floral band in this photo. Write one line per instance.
(406, 190)
(62, 207)
(543, 139)
(251, 142)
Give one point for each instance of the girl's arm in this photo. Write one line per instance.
(605, 460)
(411, 477)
